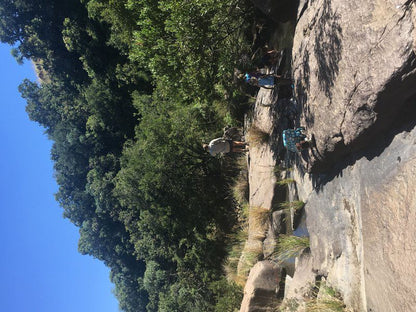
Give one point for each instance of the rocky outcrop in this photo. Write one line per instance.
(354, 67)
(361, 225)
(275, 228)
(260, 292)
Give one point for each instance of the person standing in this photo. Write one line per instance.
(223, 146)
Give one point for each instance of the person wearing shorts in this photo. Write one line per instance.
(223, 146)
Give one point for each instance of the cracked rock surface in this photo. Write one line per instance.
(354, 67)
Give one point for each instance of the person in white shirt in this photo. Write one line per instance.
(221, 145)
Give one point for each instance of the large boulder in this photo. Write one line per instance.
(355, 72)
(260, 292)
(276, 227)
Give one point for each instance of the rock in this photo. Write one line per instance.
(260, 292)
(275, 228)
(354, 68)
(262, 160)
(360, 224)
(299, 286)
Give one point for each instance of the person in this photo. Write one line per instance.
(269, 57)
(221, 145)
(264, 80)
(294, 139)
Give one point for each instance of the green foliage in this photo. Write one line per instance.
(289, 246)
(284, 182)
(228, 295)
(288, 206)
(130, 90)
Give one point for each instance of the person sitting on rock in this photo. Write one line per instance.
(223, 146)
(264, 80)
(295, 140)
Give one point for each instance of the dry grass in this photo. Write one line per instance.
(259, 216)
(240, 189)
(236, 249)
(247, 246)
(259, 219)
(256, 136)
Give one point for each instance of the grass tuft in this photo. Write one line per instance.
(240, 189)
(327, 299)
(285, 181)
(259, 216)
(289, 246)
(295, 205)
(256, 136)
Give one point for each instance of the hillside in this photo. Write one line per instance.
(129, 90)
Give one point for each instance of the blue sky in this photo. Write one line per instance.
(40, 267)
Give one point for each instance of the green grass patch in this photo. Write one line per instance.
(289, 246)
(327, 299)
(288, 206)
(285, 181)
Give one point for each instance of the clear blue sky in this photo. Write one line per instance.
(40, 267)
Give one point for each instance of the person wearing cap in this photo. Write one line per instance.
(295, 140)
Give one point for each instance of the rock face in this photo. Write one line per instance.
(361, 225)
(354, 67)
(260, 292)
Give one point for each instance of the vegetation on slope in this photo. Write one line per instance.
(129, 91)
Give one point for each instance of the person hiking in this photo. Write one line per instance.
(223, 146)
(265, 80)
(295, 140)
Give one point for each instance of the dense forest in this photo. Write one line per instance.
(128, 91)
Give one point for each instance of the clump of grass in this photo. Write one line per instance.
(328, 299)
(240, 189)
(259, 216)
(238, 241)
(285, 181)
(242, 215)
(253, 252)
(289, 305)
(288, 206)
(245, 251)
(279, 168)
(289, 246)
(259, 219)
(257, 136)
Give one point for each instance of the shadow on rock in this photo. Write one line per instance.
(328, 47)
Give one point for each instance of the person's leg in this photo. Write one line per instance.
(239, 144)
(238, 147)
(240, 150)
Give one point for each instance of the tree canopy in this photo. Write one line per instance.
(128, 90)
